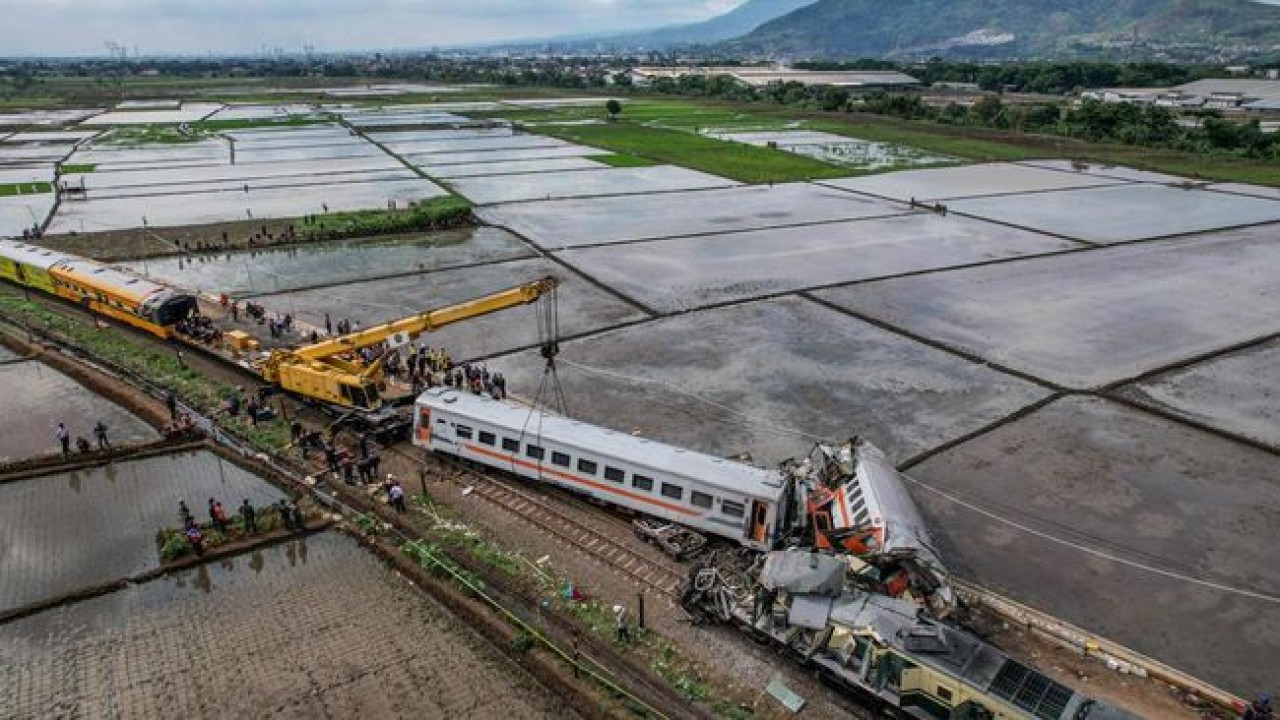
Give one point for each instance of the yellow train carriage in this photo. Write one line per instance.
(29, 265)
(130, 299)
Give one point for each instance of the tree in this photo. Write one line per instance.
(614, 108)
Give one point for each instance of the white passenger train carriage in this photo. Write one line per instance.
(713, 495)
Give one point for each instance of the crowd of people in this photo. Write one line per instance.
(290, 512)
(62, 434)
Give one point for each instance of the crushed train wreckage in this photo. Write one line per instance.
(873, 644)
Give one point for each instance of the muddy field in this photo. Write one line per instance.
(312, 628)
(37, 398)
(70, 530)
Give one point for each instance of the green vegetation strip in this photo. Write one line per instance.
(74, 169)
(31, 188)
(130, 353)
(745, 163)
(435, 214)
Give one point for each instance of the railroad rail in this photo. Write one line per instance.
(658, 576)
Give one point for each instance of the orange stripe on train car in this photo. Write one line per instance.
(581, 481)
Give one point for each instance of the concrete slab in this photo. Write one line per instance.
(683, 273)
(346, 261)
(1236, 392)
(37, 398)
(609, 181)
(513, 167)
(112, 513)
(771, 377)
(391, 119)
(583, 307)
(967, 181)
(101, 152)
(427, 161)
(202, 208)
(25, 153)
(573, 223)
(1089, 319)
(1121, 214)
(1119, 481)
(261, 112)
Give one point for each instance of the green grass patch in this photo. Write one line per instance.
(74, 169)
(745, 163)
(622, 160)
(435, 214)
(131, 353)
(31, 188)
(174, 134)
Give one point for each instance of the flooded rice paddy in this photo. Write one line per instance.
(608, 181)
(583, 306)
(291, 268)
(852, 153)
(969, 181)
(574, 223)
(37, 398)
(77, 529)
(1115, 480)
(313, 627)
(1088, 319)
(683, 273)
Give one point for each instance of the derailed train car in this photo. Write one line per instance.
(878, 646)
(749, 505)
(120, 295)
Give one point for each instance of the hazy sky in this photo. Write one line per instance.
(51, 27)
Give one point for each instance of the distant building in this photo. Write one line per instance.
(760, 76)
(1217, 94)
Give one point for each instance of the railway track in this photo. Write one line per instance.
(660, 577)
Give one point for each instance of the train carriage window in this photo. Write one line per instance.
(559, 458)
(641, 482)
(462, 431)
(732, 509)
(510, 445)
(700, 499)
(487, 438)
(614, 474)
(534, 451)
(675, 492)
(586, 466)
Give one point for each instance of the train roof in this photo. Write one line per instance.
(33, 255)
(963, 656)
(109, 278)
(708, 469)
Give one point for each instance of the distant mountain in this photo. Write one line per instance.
(1009, 28)
(737, 22)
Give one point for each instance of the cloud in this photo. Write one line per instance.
(50, 27)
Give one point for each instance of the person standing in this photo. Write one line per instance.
(397, 496)
(100, 432)
(250, 517)
(64, 439)
(620, 620)
(171, 402)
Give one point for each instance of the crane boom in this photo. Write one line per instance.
(320, 372)
(430, 320)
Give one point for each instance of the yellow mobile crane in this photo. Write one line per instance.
(320, 372)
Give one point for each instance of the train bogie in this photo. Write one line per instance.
(709, 494)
